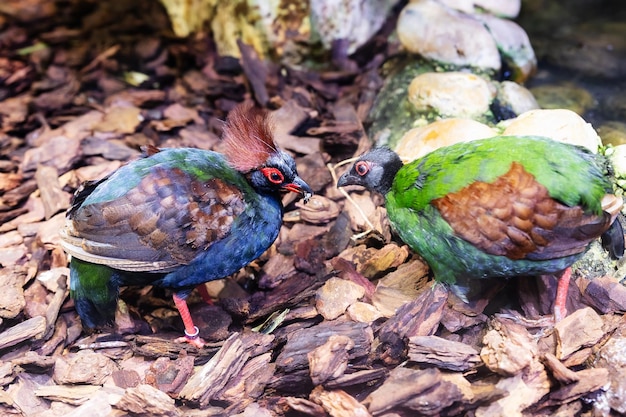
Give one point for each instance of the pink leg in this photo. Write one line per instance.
(560, 310)
(191, 331)
(204, 294)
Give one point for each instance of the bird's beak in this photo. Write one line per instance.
(299, 186)
(348, 179)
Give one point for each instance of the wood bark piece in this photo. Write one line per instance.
(12, 295)
(83, 367)
(606, 294)
(146, 400)
(28, 329)
(293, 290)
(442, 353)
(357, 378)
(589, 381)
(612, 356)
(335, 296)
(583, 328)
(222, 368)
(420, 317)
(251, 381)
(330, 360)
(522, 391)
(559, 371)
(70, 394)
(338, 403)
(53, 197)
(421, 391)
(300, 342)
(169, 375)
(305, 406)
(508, 347)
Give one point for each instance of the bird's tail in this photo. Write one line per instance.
(95, 291)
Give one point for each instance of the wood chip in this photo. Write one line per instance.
(442, 353)
(147, 400)
(589, 381)
(83, 367)
(421, 391)
(419, 317)
(222, 368)
(338, 403)
(580, 329)
(12, 295)
(335, 296)
(300, 342)
(606, 294)
(28, 329)
(330, 360)
(70, 394)
(508, 347)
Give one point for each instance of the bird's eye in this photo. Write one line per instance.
(362, 168)
(273, 175)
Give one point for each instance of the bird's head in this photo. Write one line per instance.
(249, 148)
(374, 170)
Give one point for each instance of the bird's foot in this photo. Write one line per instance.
(560, 309)
(559, 313)
(193, 339)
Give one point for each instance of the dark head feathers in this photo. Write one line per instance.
(248, 137)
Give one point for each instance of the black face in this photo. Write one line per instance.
(375, 170)
(280, 174)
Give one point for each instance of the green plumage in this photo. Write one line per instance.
(570, 173)
(572, 176)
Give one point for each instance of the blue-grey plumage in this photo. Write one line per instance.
(178, 218)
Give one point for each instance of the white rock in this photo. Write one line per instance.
(504, 8)
(445, 35)
(451, 94)
(514, 46)
(420, 141)
(518, 99)
(354, 20)
(617, 156)
(559, 124)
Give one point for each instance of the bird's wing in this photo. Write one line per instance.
(167, 217)
(515, 217)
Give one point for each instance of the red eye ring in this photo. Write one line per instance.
(362, 168)
(273, 175)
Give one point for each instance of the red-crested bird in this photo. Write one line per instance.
(178, 218)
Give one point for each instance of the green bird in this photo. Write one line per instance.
(495, 208)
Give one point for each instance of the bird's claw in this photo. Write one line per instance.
(192, 338)
(559, 313)
(197, 342)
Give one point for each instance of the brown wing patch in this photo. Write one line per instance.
(515, 217)
(187, 215)
(169, 216)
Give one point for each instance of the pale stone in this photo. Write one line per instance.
(515, 98)
(514, 46)
(420, 141)
(353, 20)
(558, 124)
(617, 156)
(451, 94)
(445, 35)
(503, 8)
